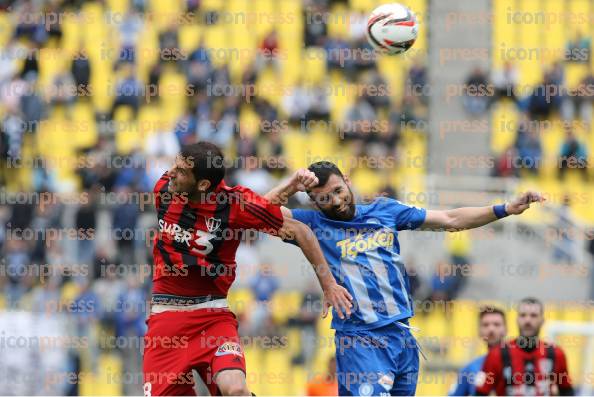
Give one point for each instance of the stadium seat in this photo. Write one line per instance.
(504, 122)
(504, 34)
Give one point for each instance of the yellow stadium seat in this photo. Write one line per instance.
(285, 305)
(464, 312)
(277, 370)
(314, 66)
(84, 118)
(529, 59)
(504, 122)
(240, 299)
(504, 32)
(554, 39)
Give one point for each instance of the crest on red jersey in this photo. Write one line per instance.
(213, 224)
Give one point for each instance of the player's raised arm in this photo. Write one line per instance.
(334, 294)
(256, 212)
(300, 181)
(472, 217)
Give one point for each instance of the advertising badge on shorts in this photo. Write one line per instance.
(229, 348)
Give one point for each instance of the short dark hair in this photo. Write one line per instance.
(530, 300)
(323, 170)
(488, 309)
(207, 161)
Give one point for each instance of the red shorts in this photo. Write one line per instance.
(178, 341)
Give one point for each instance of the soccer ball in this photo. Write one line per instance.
(392, 28)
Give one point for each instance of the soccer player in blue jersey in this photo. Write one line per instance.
(492, 330)
(375, 351)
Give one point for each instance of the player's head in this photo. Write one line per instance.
(492, 327)
(530, 316)
(332, 195)
(198, 168)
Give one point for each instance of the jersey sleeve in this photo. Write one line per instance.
(563, 380)
(304, 216)
(406, 217)
(256, 212)
(487, 379)
(461, 387)
(161, 187)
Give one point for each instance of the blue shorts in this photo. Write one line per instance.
(378, 362)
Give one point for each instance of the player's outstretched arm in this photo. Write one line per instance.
(472, 217)
(302, 180)
(334, 294)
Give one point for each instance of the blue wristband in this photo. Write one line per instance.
(499, 211)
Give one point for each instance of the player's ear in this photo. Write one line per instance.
(347, 180)
(203, 185)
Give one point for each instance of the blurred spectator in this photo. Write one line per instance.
(45, 298)
(578, 48)
(565, 225)
(161, 149)
(11, 93)
(131, 309)
(445, 282)
(129, 92)
(319, 104)
(505, 81)
(8, 60)
(476, 92)
(32, 105)
(416, 82)
(199, 70)
(324, 384)
(130, 28)
(253, 176)
(306, 321)
(186, 127)
(545, 98)
(338, 54)
(377, 91)
(528, 145)
(86, 310)
(17, 263)
(264, 285)
(580, 102)
(131, 313)
(358, 120)
(12, 131)
(573, 155)
(315, 23)
(154, 80)
(51, 22)
(218, 127)
(268, 52)
(504, 165)
(86, 221)
(63, 92)
(297, 103)
(169, 44)
(81, 72)
(124, 221)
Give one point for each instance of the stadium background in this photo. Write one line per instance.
(279, 84)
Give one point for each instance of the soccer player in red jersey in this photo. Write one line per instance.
(201, 222)
(526, 366)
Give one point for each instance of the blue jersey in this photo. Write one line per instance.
(364, 257)
(465, 386)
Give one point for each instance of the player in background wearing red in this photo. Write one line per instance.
(526, 366)
(201, 223)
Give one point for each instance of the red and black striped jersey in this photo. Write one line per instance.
(511, 370)
(194, 249)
